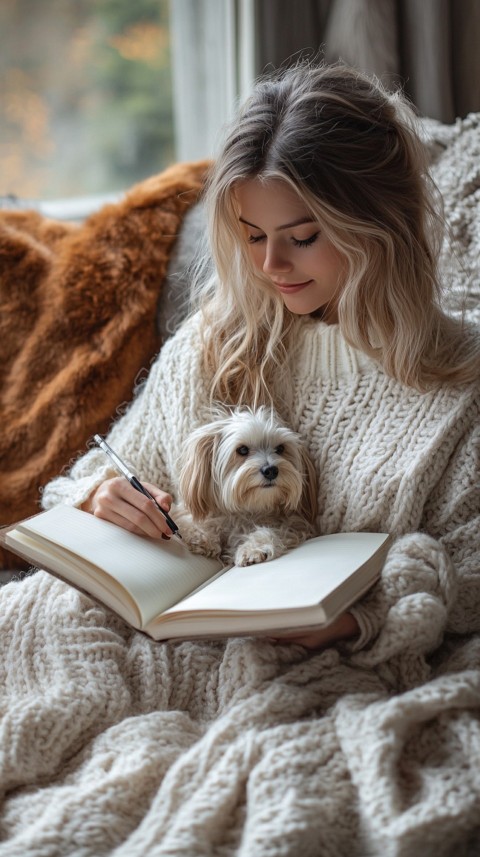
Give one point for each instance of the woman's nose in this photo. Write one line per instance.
(275, 261)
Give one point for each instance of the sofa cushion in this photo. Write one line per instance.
(78, 323)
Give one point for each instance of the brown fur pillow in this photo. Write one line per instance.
(77, 324)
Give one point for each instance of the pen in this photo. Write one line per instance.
(123, 469)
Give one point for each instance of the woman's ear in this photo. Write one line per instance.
(309, 501)
(195, 480)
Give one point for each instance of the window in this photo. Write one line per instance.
(96, 95)
(86, 96)
(213, 64)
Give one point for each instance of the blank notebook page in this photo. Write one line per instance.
(298, 579)
(152, 571)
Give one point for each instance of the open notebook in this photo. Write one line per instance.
(159, 587)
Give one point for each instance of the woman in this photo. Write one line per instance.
(325, 302)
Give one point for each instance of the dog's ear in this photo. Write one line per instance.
(309, 501)
(195, 480)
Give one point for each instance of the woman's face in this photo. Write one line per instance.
(290, 248)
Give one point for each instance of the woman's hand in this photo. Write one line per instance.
(117, 501)
(343, 628)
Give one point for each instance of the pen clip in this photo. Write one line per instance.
(119, 464)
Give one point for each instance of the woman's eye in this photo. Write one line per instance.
(243, 450)
(280, 449)
(307, 241)
(254, 239)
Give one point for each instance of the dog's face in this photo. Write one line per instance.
(246, 461)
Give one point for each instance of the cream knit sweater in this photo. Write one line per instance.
(111, 744)
(388, 459)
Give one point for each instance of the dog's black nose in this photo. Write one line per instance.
(270, 471)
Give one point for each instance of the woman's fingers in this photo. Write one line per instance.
(117, 501)
(163, 499)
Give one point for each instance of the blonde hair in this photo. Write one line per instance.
(350, 151)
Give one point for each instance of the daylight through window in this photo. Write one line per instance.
(85, 96)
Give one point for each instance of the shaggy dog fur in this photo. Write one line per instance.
(248, 488)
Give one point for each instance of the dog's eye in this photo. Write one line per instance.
(243, 450)
(280, 449)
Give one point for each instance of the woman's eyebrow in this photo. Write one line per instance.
(299, 222)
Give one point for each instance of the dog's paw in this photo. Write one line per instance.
(199, 542)
(198, 546)
(248, 554)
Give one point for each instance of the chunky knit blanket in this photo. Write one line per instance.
(114, 745)
(455, 168)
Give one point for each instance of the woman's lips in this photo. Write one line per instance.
(289, 288)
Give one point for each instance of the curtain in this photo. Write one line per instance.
(213, 68)
(429, 47)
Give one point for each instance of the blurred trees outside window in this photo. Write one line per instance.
(85, 95)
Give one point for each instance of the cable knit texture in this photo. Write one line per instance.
(246, 747)
(116, 745)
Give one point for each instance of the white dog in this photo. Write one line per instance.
(248, 488)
